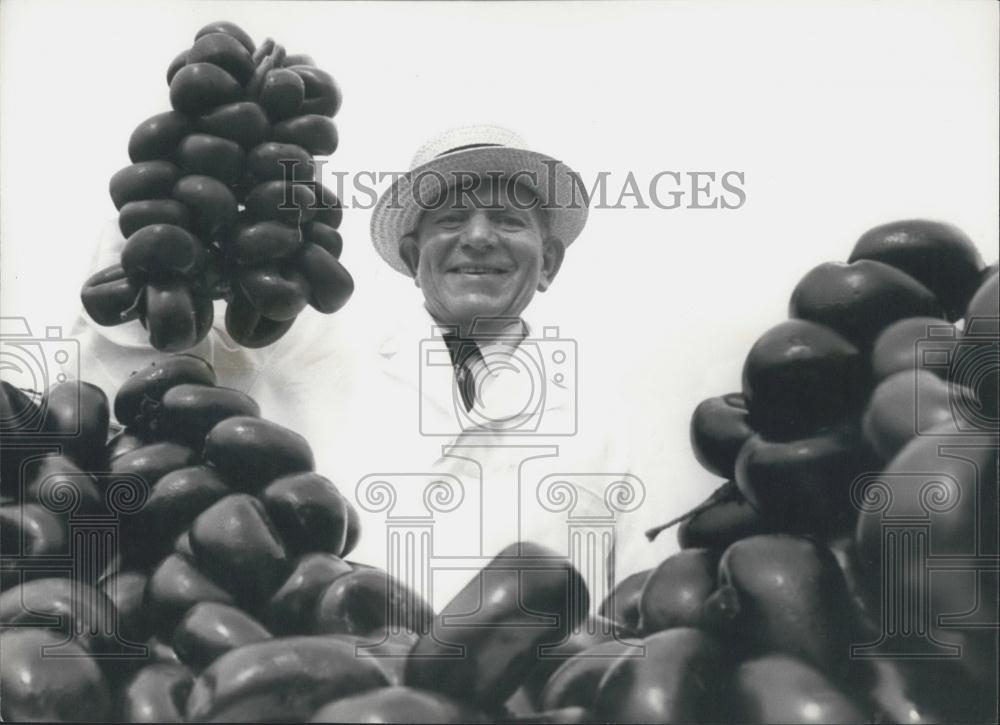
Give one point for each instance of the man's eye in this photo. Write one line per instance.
(512, 221)
(450, 220)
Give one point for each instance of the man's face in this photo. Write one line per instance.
(480, 253)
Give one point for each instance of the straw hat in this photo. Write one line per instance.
(482, 150)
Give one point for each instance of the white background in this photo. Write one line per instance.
(842, 116)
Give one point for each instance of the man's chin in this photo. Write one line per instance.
(472, 307)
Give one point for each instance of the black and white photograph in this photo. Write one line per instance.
(515, 362)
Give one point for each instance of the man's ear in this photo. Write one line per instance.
(553, 251)
(410, 253)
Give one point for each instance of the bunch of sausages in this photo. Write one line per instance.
(222, 199)
(874, 403)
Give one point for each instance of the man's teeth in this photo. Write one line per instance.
(479, 270)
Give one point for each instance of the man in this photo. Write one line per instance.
(458, 426)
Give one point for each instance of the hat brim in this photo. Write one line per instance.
(562, 196)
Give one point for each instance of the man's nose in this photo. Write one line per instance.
(479, 231)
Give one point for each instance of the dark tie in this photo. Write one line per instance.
(464, 355)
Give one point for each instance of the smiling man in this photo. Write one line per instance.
(479, 255)
(480, 222)
(482, 252)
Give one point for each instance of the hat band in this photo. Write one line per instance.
(466, 148)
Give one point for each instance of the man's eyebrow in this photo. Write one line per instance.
(507, 208)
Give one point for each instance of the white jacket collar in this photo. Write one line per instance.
(415, 324)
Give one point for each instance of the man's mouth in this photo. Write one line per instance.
(477, 269)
